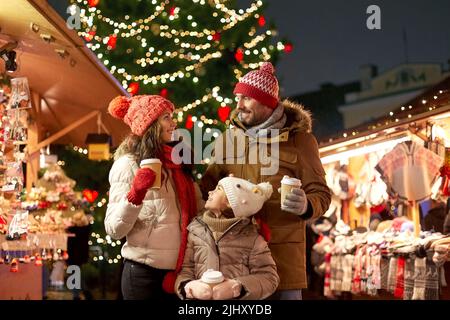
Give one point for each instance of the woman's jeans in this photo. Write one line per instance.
(142, 282)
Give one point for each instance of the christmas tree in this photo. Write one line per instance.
(190, 51)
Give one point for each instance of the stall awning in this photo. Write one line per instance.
(409, 117)
(68, 77)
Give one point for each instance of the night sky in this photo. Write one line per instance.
(331, 39)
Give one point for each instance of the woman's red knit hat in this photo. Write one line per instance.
(139, 112)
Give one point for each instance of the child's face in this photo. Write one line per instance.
(217, 200)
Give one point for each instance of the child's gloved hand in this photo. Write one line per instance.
(143, 180)
(226, 290)
(197, 289)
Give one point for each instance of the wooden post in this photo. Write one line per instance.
(416, 218)
(34, 134)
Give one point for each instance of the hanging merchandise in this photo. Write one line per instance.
(13, 177)
(20, 94)
(18, 228)
(409, 170)
(445, 174)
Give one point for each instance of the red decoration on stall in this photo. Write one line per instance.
(189, 123)
(172, 11)
(112, 41)
(90, 35)
(261, 21)
(164, 92)
(133, 88)
(288, 47)
(93, 3)
(90, 195)
(38, 261)
(223, 113)
(44, 204)
(216, 36)
(239, 55)
(14, 265)
(61, 206)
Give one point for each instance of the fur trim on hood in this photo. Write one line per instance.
(298, 119)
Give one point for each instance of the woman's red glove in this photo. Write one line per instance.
(144, 179)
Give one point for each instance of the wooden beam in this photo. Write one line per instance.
(34, 135)
(63, 132)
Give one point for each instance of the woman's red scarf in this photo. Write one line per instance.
(184, 186)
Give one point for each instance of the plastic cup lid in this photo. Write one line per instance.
(212, 276)
(291, 181)
(150, 161)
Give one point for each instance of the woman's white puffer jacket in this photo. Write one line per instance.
(152, 229)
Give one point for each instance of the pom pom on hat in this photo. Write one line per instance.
(267, 67)
(119, 106)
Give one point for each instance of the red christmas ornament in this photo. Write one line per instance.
(43, 204)
(261, 21)
(216, 36)
(288, 47)
(239, 55)
(189, 123)
(172, 11)
(133, 88)
(164, 92)
(14, 265)
(90, 195)
(90, 36)
(61, 206)
(223, 113)
(93, 3)
(112, 41)
(38, 261)
(65, 255)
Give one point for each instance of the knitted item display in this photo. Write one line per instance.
(260, 85)
(431, 281)
(356, 284)
(186, 194)
(419, 279)
(326, 287)
(347, 272)
(392, 275)
(409, 279)
(400, 281)
(384, 272)
(139, 112)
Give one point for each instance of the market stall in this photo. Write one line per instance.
(53, 90)
(389, 183)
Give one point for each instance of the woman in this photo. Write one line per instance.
(154, 221)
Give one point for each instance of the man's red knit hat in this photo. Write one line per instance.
(261, 85)
(139, 112)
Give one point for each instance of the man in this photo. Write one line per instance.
(258, 112)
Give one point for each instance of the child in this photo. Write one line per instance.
(225, 239)
(154, 221)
